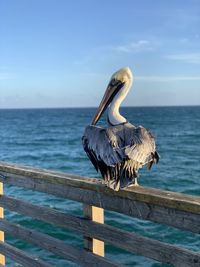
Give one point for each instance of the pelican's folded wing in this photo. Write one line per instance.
(101, 146)
(141, 147)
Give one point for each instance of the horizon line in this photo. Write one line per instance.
(77, 107)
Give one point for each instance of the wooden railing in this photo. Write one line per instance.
(164, 207)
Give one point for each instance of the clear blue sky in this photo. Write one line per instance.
(61, 53)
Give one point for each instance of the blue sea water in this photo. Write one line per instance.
(51, 138)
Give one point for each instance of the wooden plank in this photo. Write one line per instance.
(55, 246)
(21, 257)
(97, 215)
(131, 242)
(148, 195)
(108, 199)
(2, 257)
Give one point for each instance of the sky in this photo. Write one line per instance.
(62, 53)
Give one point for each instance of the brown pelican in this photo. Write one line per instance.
(121, 149)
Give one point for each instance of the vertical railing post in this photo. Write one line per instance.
(97, 215)
(2, 257)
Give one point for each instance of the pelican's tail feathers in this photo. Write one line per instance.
(122, 175)
(154, 159)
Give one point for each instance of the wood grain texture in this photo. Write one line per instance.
(21, 257)
(131, 242)
(116, 201)
(56, 246)
(148, 195)
(97, 215)
(174, 209)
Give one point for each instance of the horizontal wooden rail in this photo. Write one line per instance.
(21, 257)
(56, 246)
(131, 242)
(173, 209)
(168, 208)
(148, 195)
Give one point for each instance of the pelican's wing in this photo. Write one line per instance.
(101, 145)
(119, 151)
(141, 146)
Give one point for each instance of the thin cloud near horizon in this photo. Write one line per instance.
(167, 78)
(193, 58)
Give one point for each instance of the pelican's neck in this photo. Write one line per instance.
(114, 117)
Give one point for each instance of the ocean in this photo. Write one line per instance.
(51, 138)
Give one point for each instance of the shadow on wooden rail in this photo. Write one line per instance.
(164, 207)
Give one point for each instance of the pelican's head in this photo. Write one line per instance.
(121, 79)
(124, 75)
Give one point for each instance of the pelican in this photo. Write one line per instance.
(121, 149)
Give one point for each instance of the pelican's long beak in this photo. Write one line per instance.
(113, 88)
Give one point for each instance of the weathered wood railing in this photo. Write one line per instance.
(173, 209)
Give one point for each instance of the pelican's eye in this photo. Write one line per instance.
(113, 81)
